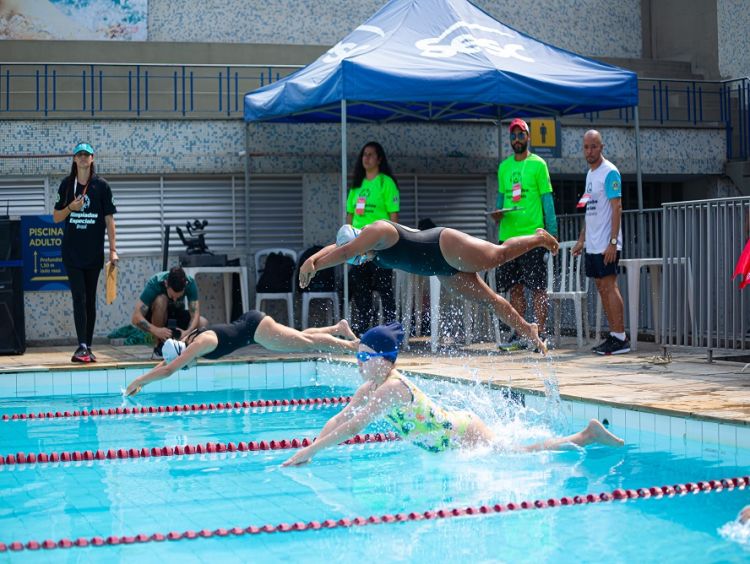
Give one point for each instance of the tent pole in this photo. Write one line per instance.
(343, 200)
(639, 181)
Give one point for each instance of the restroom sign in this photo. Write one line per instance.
(545, 137)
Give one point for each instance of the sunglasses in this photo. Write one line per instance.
(519, 135)
(364, 356)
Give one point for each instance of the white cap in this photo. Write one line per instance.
(171, 349)
(345, 235)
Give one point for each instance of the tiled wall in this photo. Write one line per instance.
(590, 27)
(206, 147)
(734, 39)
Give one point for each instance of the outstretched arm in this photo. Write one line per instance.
(197, 348)
(332, 255)
(355, 417)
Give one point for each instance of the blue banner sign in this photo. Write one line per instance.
(41, 246)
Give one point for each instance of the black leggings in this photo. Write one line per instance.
(363, 279)
(83, 287)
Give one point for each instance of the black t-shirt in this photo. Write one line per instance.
(83, 242)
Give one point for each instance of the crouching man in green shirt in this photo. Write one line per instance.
(163, 301)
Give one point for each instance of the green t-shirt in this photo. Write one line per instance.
(156, 286)
(533, 176)
(375, 199)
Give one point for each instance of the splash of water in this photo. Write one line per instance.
(736, 531)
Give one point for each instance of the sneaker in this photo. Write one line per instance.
(81, 355)
(92, 356)
(157, 352)
(613, 345)
(515, 343)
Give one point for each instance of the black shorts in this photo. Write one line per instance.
(595, 267)
(529, 270)
(179, 314)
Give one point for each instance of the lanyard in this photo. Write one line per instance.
(85, 188)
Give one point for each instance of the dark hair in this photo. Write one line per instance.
(74, 171)
(176, 279)
(359, 169)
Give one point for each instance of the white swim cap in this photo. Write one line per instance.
(346, 234)
(171, 349)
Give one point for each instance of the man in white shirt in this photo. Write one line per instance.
(602, 237)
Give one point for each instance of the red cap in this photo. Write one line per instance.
(518, 122)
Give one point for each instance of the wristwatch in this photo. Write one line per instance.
(613, 241)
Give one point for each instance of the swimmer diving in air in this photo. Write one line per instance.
(451, 255)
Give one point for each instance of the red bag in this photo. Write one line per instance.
(743, 266)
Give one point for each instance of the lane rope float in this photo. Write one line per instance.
(618, 494)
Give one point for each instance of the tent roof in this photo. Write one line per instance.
(418, 60)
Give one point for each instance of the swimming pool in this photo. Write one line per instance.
(220, 504)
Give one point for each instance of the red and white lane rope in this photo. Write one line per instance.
(178, 450)
(185, 408)
(615, 495)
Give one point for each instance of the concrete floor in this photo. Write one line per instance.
(685, 384)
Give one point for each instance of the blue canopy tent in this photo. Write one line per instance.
(436, 60)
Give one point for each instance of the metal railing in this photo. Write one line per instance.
(702, 243)
(123, 90)
(569, 226)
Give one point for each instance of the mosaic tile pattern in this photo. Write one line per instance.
(734, 41)
(578, 25)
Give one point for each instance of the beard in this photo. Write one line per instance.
(519, 148)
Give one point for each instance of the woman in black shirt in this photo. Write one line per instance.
(85, 204)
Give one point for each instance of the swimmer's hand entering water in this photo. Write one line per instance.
(133, 388)
(306, 273)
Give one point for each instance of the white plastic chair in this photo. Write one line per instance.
(307, 297)
(566, 280)
(286, 296)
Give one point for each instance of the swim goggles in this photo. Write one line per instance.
(364, 356)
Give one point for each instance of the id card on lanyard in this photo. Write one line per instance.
(359, 207)
(584, 200)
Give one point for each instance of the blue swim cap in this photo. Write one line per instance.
(346, 234)
(384, 339)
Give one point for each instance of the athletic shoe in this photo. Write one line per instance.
(157, 352)
(613, 345)
(515, 343)
(81, 355)
(92, 356)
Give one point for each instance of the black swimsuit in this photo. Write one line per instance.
(417, 252)
(233, 336)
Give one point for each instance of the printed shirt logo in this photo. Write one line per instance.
(467, 43)
(616, 186)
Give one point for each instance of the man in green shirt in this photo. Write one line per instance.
(524, 203)
(162, 301)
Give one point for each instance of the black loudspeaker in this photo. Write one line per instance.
(12, 319)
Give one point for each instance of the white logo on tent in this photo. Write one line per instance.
(343, 50)
(468, 43)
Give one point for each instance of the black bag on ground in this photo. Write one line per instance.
(277, 274)
(325, 280)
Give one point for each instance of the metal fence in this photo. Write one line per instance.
(702, 243)
(111, 90)
(569, 227)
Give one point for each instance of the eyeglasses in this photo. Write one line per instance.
(364, 356)
(520, 135)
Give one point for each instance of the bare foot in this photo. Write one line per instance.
(548, 241)
(596, 433)
(343, 330)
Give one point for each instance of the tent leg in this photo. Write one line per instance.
(343, 200)
(639, 181)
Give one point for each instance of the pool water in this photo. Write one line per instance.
(214, 491)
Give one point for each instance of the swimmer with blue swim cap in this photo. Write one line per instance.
(388, 394)
(453, 256)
